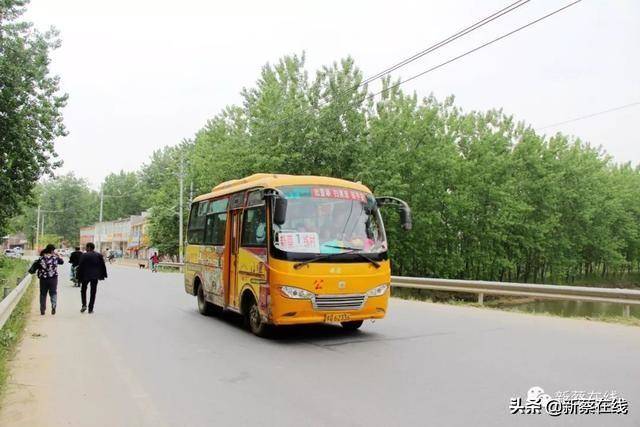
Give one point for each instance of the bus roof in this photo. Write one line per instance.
(270, 180)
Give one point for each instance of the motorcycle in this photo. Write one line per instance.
(74, 276)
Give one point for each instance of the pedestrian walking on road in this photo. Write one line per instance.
(91, 268)
(154, 262)
(74, 260)
(46, 268)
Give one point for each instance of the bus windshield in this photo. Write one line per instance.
(329, 220)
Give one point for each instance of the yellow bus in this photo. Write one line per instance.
(284, 249)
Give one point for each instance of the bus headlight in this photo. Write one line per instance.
(377, 291)
(295, 293)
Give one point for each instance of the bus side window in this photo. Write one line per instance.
(254, 227)
(195, 232)
(216, 227)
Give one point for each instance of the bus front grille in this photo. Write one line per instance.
(338, 302)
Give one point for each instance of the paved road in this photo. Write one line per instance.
(147, 358)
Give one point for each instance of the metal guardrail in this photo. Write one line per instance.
(11, 300)
(177, 265)
(626, 297)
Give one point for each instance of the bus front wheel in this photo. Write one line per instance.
(351, 326)
(254, 320)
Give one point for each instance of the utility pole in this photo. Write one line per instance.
(37, 230)
(101, 202)
(180, 231)
(40, 224)
(99, 225)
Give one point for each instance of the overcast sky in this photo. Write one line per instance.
(142, 74)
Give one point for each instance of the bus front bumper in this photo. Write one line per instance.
(294, 312)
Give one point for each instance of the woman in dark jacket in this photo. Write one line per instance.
(48, 274)
(90, 269)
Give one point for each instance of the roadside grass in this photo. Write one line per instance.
(12, 331)
(631, 321)
(162, 269)
(499, 303)
(11, 270)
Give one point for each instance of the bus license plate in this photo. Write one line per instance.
(340, 317)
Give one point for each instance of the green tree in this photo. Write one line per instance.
(124, 195)
(160, 179)
(25, 222)
(66, 202)
(72, 204)
(491, 198)
(303, 127)
(30, 107)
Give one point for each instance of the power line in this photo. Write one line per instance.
(587, 116)
(474, 49)
(461, 33)
(448, 40)
(492, 17)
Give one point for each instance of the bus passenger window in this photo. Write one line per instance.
(215, 230)
(254, 227)
(195, 232)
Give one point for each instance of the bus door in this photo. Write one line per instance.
(235, 216)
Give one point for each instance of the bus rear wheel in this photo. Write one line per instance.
(204, 307)
(352, 325)
(253, 319)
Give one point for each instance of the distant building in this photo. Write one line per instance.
(87, 234)
(126, 236)
(11, 241)
(138, 246)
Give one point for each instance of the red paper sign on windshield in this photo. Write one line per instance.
(299, 242)
(338, 193)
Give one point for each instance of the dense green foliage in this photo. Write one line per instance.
(123, 195)
(30, 107)
(66, 202)
(491, 198)
(160, 179)
(73, 204)
(12, 269)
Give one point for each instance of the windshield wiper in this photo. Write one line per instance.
(321, 257)
(351, 250)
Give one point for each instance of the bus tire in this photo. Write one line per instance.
(352, 325)
(204, 307)
(254, 321)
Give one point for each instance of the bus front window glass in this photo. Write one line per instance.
(330, 220)
(254, 227)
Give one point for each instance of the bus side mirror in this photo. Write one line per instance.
(279, 210)
(405, 218)
(402, 206)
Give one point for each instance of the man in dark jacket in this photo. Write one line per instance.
(74, 260)
(91, 268)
